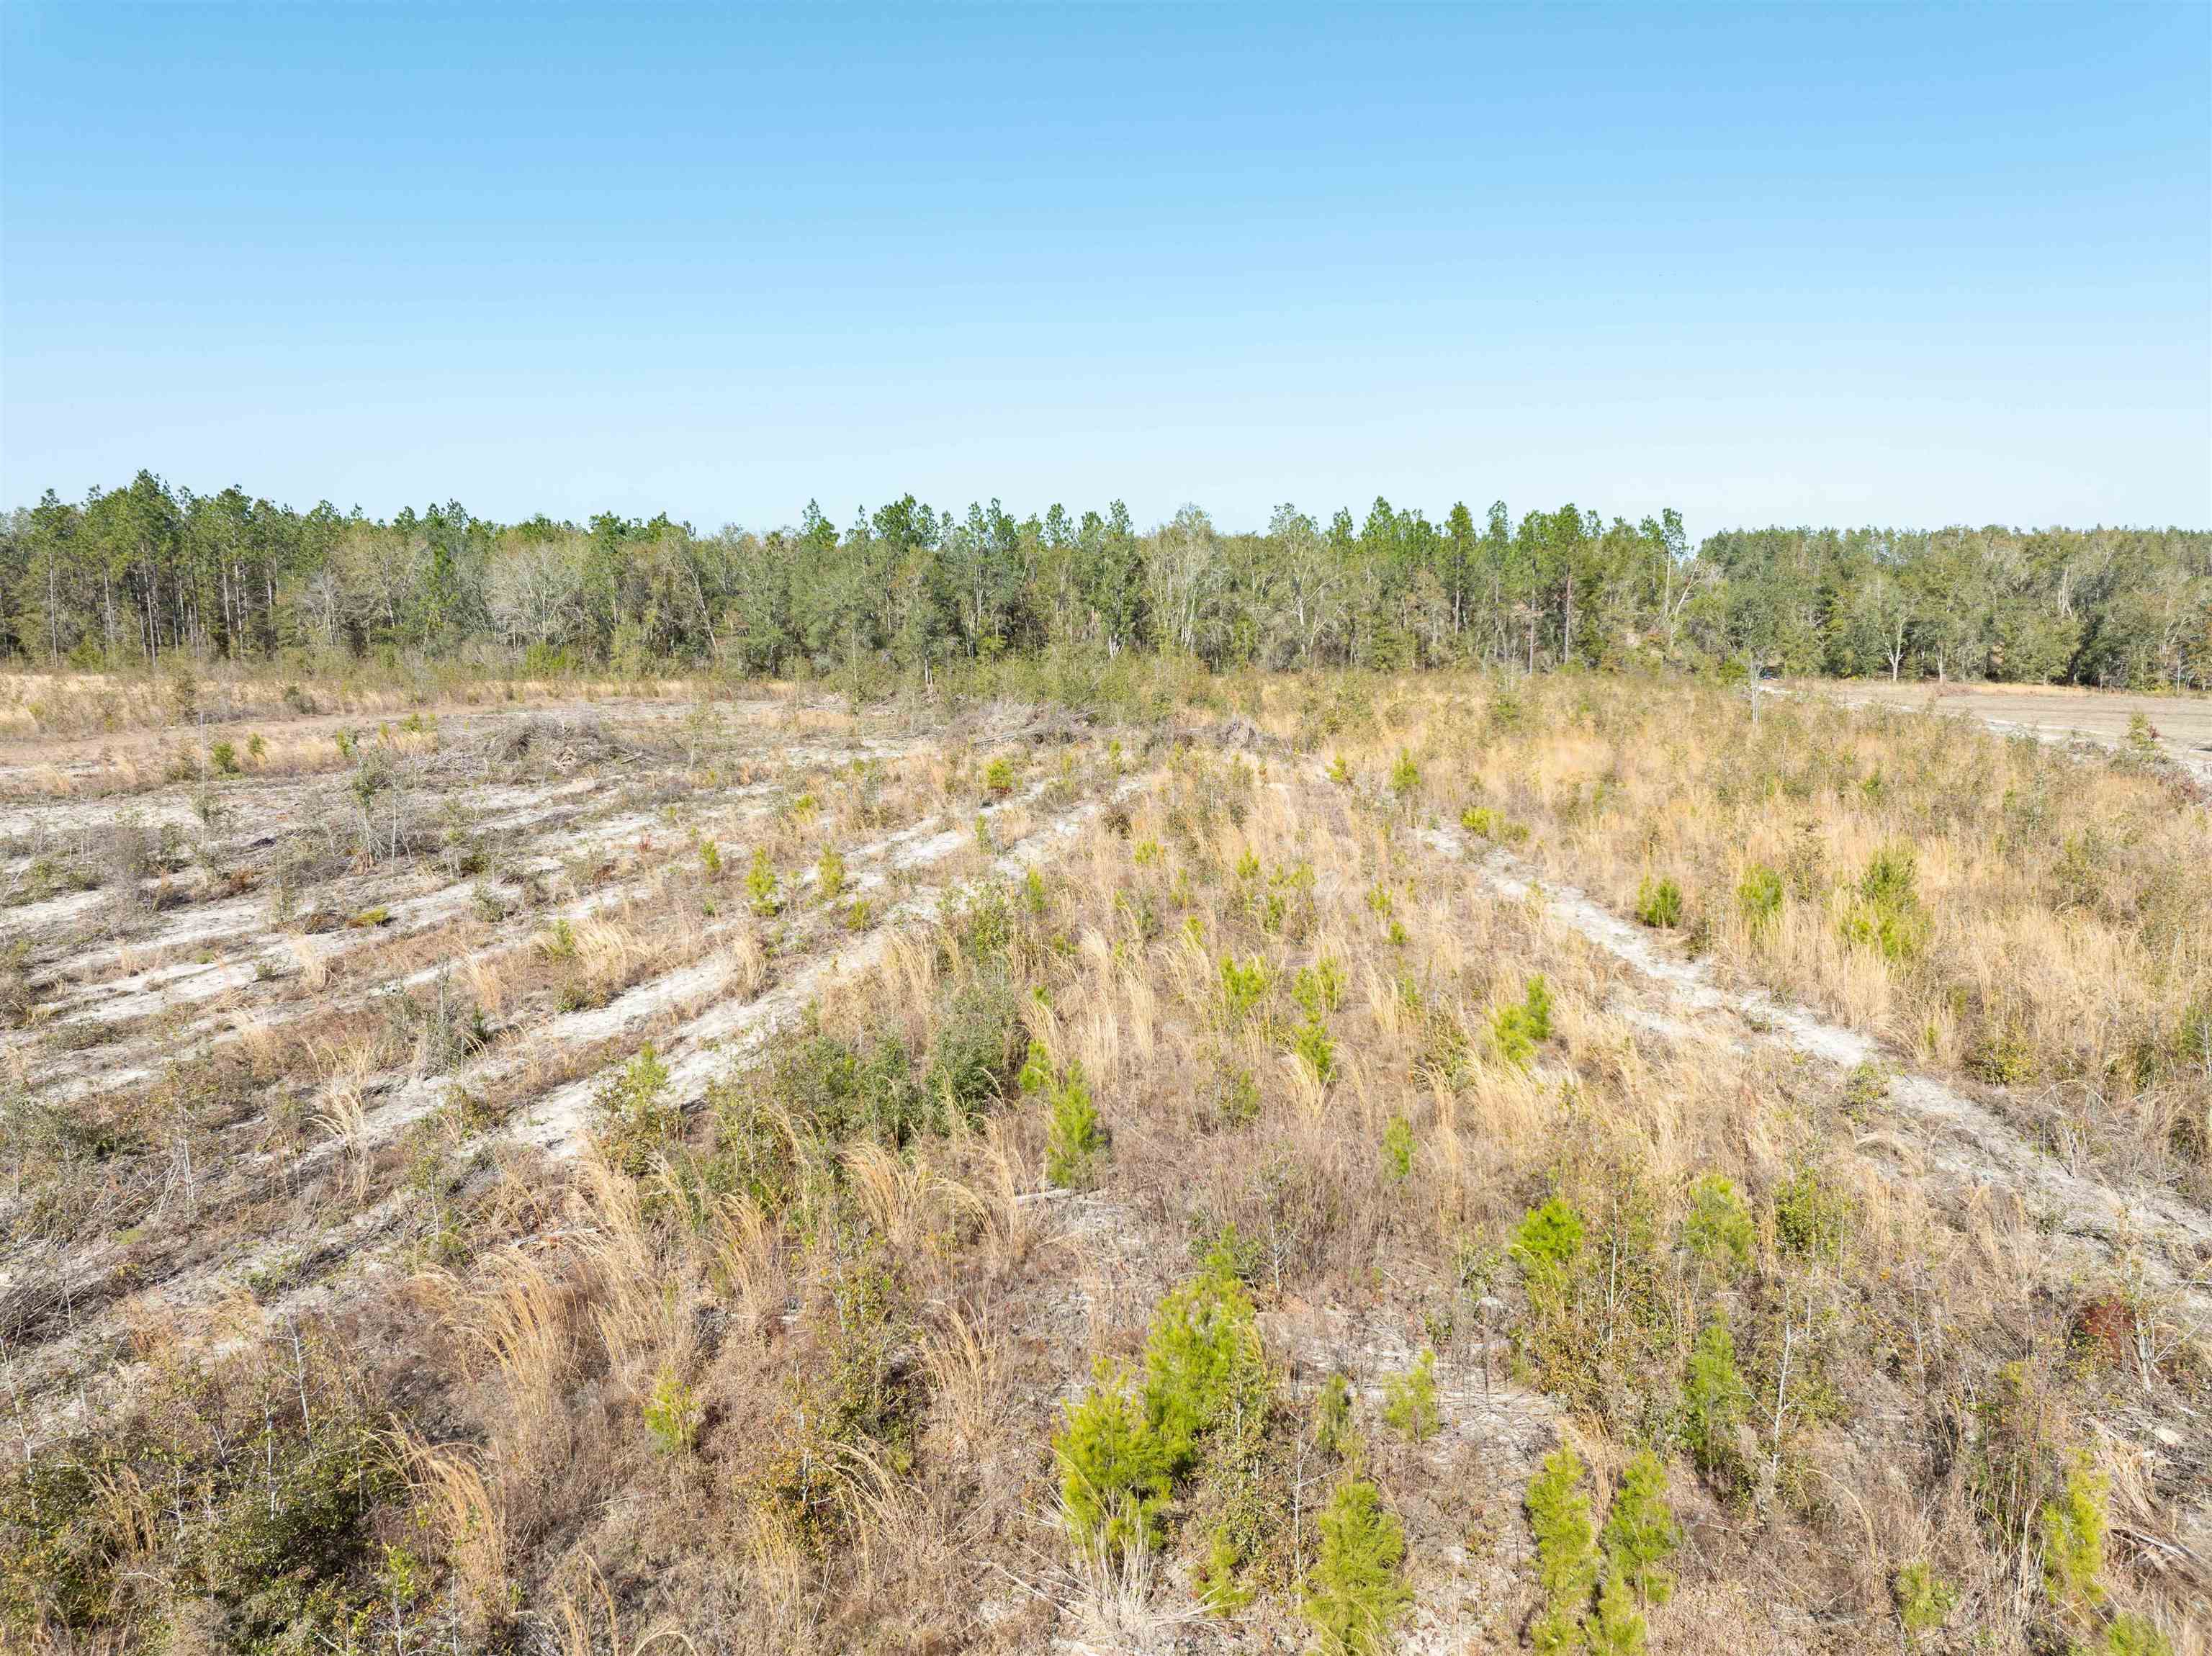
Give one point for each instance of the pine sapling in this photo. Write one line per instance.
(760, 884)
(1356, 1592)
(1075, 1138)
(1409, 1400)
(2074, 1526)
(1640, 1532)
(1113, 1472)
(1566, 1551)
(1716, 1399)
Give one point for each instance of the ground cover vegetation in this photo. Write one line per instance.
(1339, 1161)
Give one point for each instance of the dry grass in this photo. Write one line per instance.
(772, 1357)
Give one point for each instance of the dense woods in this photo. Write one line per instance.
(131, 575)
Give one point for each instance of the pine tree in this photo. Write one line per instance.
(1201, 1362)
(1640, 1531)
(1617, 1629)
(1409, 1400)
(2074, 1540)
(1114, 1473)
(1356, 1592)
(1718, 1397)
(1566, 1553)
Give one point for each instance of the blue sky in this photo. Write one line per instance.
(1778, 263)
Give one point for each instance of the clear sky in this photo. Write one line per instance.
(1780, 264)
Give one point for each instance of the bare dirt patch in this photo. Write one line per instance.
(2054, 713)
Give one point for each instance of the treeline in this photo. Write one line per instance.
(133, 575)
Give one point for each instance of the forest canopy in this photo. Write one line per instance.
(129, 576)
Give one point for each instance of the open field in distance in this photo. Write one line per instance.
(1436, 1162)
(2052, 712)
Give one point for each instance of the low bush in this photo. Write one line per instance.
(1659, 903)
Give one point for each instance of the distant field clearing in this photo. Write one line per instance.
(2053, 712)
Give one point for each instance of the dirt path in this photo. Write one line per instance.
(715, 1031)
(2107, 1226)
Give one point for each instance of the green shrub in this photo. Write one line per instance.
(1218, 1590)
(1549, 1239)
(1405, 776)
(1759, 898)
(1492, 825)
(1312, 1044)
(761, 883)
(1659, 903)
(1244, 987)
(1398, 1149)
(1714, 1401)
(1640, 1532)
(1884, 913)
(1616, 1627)
(998, 778)
(830, 875)
(1566, 1551)
(1409, 1400)
(1332, 1425)
(972, 1056)
(1924, 1599)
(1202, 1363)
(1519, 1028)
(2073, 1526)
(2130, 1634)
(1113, 1475)
(224, 757)
(710, 860)
(1075, 1138)
(1717, 1228)
(1319, 988)
(1358, 1592)
(672, 1415)
(637, 1120)
(1810, 1217)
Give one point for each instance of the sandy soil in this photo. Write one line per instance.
(2052, 712)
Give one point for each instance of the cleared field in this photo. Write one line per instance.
(2052, 712)
(760, 1176)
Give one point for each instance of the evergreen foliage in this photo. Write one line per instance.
(1409, 1400)
(2073, 1526)
(1640, 1532)
(1716, 1397)
(1357, 1592)
(1566, 1551)
(1717, 1228)
(144, 572)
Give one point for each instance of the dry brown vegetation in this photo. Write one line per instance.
(685, 1174)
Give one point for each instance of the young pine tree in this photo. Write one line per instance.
(1075, 1138)
(1114, 1474)
(1356, 1592)
(1716, 1399)
(1640, 1531)
(1566, 1552)
(1409, 1400)
(1617, 1627)
(2074, 1540)
(1202, 1363)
